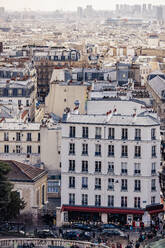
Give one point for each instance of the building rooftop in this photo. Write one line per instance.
(22, 172)
(158, 85)
(143, 119)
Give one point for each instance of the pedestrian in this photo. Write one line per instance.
(137, 245)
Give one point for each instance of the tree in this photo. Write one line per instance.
(10, 201)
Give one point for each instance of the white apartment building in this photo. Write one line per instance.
(20, 142)
(109, 167)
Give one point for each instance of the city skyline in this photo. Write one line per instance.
(51, 5)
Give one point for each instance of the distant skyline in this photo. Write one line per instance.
(69, 4)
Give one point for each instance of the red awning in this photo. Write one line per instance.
(102, 210)
(156, 211)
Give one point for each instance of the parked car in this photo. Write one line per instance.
(77, 235)
(113, 232)
(108, 226)
(81, 226)
(71, 234)
(45, 234)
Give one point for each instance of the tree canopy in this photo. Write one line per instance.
(10, 201)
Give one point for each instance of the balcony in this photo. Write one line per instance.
(111, 171)
(124, 137)
(84, 186)
(97, 136)
(111, 154)
(153, 188)
(137, 156)
(153, 137)
(124, 189)
(137, 172)
(153, 155)
(111, 187)
(137, 138)
(124, 155)
(72, 186)
(153, 172)
(98, 187)
(84, 153)
(124, 172)
(137, 189)
(111, 137)
(97, 153)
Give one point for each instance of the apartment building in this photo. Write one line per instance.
(18, 87)
(109, 167)
(20, 141)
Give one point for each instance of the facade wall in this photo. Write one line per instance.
(145, 162)
(31, 192)
(51, 147)
(63, 96)
(18, 149)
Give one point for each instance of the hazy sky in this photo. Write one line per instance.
(68, 4)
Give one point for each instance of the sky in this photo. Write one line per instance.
(69, 4)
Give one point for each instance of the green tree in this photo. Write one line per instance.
(10, 201)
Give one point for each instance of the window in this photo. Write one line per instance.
(137, 170)
(110, 184)
(124, 134)
(38, 136)
(84, 199)
(98, 133)
(153, 133)
(10, 92)
(124, 168)
(29, 137)
(84, 166)
(29, 149)
(18, 137)
(39, 149)
(124, 201)
(97, 200)
(152, 199)
(53, 186)
(153, 169)
(111, 133)
(19, 103)
(43, 194)
(111, 150)
(153, 151)
(137, 185)
(97, 183)
(6, 136)
(84, 149)
(137, 134)
(97, 166)
(27, 103)
(153, 185)
(136, 202)
(71, 182)
(6, 149)
(124, 151)
(110, 167)
(123, 184)
(72, 149)
(97, 150)
(84, 182)
(137, 151)
(72, 132)
(110, 201)
(18, 149)
(71, 165)
(72, 199)
(85, 132)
